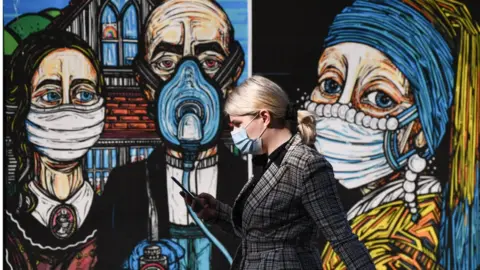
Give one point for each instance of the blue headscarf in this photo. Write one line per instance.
(414, 46)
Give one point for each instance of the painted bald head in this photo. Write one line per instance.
(181, 28)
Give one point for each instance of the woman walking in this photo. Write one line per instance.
(280, 210)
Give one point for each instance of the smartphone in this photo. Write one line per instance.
(198, 205)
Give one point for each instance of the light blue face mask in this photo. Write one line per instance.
(189, 107)
(244, 143)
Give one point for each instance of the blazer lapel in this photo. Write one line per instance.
(235, 211)
(267, 182)
(235, 204)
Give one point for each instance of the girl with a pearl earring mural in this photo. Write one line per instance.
(386, 95)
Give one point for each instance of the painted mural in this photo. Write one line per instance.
(105, 101)
(388, 94)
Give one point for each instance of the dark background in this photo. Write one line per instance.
(288, 39)
(286, 45)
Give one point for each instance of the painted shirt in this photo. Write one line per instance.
(383, 223)
(53, 235)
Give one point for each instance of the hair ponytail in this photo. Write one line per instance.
(306, 126)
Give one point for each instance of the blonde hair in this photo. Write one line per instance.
(257, 93)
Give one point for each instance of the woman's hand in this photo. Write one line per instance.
(204, 205)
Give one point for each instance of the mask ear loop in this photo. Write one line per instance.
(256, 115)
(262, 133)
(415, 163)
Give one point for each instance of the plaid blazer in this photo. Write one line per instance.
(285, 211)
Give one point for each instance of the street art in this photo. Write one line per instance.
(388, 94)
(99, 88)
(105, 101)
(55, 111)
(188, 62)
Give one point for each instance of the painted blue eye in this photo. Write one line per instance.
(51, 96)
(85, 96)
(380, 99)
(331, 87)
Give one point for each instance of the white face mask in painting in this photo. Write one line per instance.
(355, 152)
(66, 132)
(361, 149)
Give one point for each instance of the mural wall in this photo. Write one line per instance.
(106, 100)
(394, 86)
(96, 86)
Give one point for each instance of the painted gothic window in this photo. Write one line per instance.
(119, 33)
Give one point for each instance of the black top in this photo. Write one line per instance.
(260, 165)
